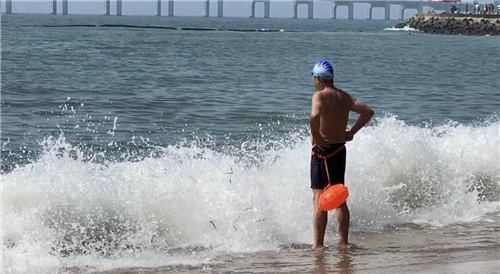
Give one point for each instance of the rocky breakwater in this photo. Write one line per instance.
(455, 24)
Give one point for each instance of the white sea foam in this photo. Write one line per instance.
(109, 214)
(405, 28)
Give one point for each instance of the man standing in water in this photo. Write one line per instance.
(329, 117)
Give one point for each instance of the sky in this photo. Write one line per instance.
(232, 8)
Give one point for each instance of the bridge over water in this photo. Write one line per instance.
(404, 5)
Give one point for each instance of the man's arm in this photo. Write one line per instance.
(365, 114)
(315, 117)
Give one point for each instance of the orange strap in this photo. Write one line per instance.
(329, 155)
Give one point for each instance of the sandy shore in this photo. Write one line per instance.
(458, 248)
(486, 267)
(469, 267)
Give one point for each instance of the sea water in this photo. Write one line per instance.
(131, 148)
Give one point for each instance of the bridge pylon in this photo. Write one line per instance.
(118, 7)
(8, 6)
(54, 7)
(108, 7)
(267, 8)
(387, 8)
(348, 4)
(65, 7)
(220, 8)
(158, 8)
(310, 8)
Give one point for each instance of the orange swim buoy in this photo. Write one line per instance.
(333, 196)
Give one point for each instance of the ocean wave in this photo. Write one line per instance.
(254, 198)
(404, 28)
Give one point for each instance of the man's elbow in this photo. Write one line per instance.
(371, 113)
(368, 113)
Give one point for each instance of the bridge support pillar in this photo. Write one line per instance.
(374, 5)
(158, 8)
(170, 8)
(108, 7)
(267, 8)
(54, 7)
(65, 7)
(348, 4)
(310, 8)
(8, 6)
(387, 8)
(350, 11)
(220, 8)
(118, 7)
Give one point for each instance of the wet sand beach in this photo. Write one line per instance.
(458, 248)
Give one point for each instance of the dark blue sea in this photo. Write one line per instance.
(140, 144)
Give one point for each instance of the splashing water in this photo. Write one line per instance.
(190, 199)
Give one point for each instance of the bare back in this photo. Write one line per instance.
(334, 115)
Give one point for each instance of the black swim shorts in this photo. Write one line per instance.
(335, 164)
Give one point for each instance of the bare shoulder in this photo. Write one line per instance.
(342, 92)
(344, 96)
(316, 97)
(316, 100)
(353, 103)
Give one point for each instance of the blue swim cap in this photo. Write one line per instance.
(323, 69)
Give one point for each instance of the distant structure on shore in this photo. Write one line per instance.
(458, 24)
(350, 4)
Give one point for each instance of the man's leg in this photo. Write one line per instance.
(320, 219)
(343, 219)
